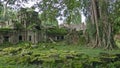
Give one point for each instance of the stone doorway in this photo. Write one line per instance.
(6, 38)
(20, 37)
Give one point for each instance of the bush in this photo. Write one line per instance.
(118, 43)
(82, 40)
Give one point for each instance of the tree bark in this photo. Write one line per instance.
(103, 36)
(5, 8)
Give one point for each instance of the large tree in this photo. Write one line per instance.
(100, 25)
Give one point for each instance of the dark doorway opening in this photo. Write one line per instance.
(6, 38)
(20, 38)
(62, 37)
(58, 38)
(30, 38)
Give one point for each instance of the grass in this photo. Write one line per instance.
(78, 48)
(47, 49)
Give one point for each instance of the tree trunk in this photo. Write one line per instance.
(103, 36)
(94, 19)
(5, 8)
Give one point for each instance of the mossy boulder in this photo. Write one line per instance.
(94, 61)
(24, 59)
(106, 57)
(34, 46)
(26, 52)
(12, 50)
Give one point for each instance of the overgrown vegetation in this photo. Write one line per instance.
(55, 55)
(56, 31)
(101, 32)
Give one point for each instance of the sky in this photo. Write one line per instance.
(31, 3)
(83, 17)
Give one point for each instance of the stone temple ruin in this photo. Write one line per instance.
(27, 29)
(14, 31)
(14, 36)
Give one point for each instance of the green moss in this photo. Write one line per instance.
(56, 31)
(24, 59)
(10, 50)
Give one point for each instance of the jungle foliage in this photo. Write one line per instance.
(102, 26)
(56, 31)
(54, 55)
